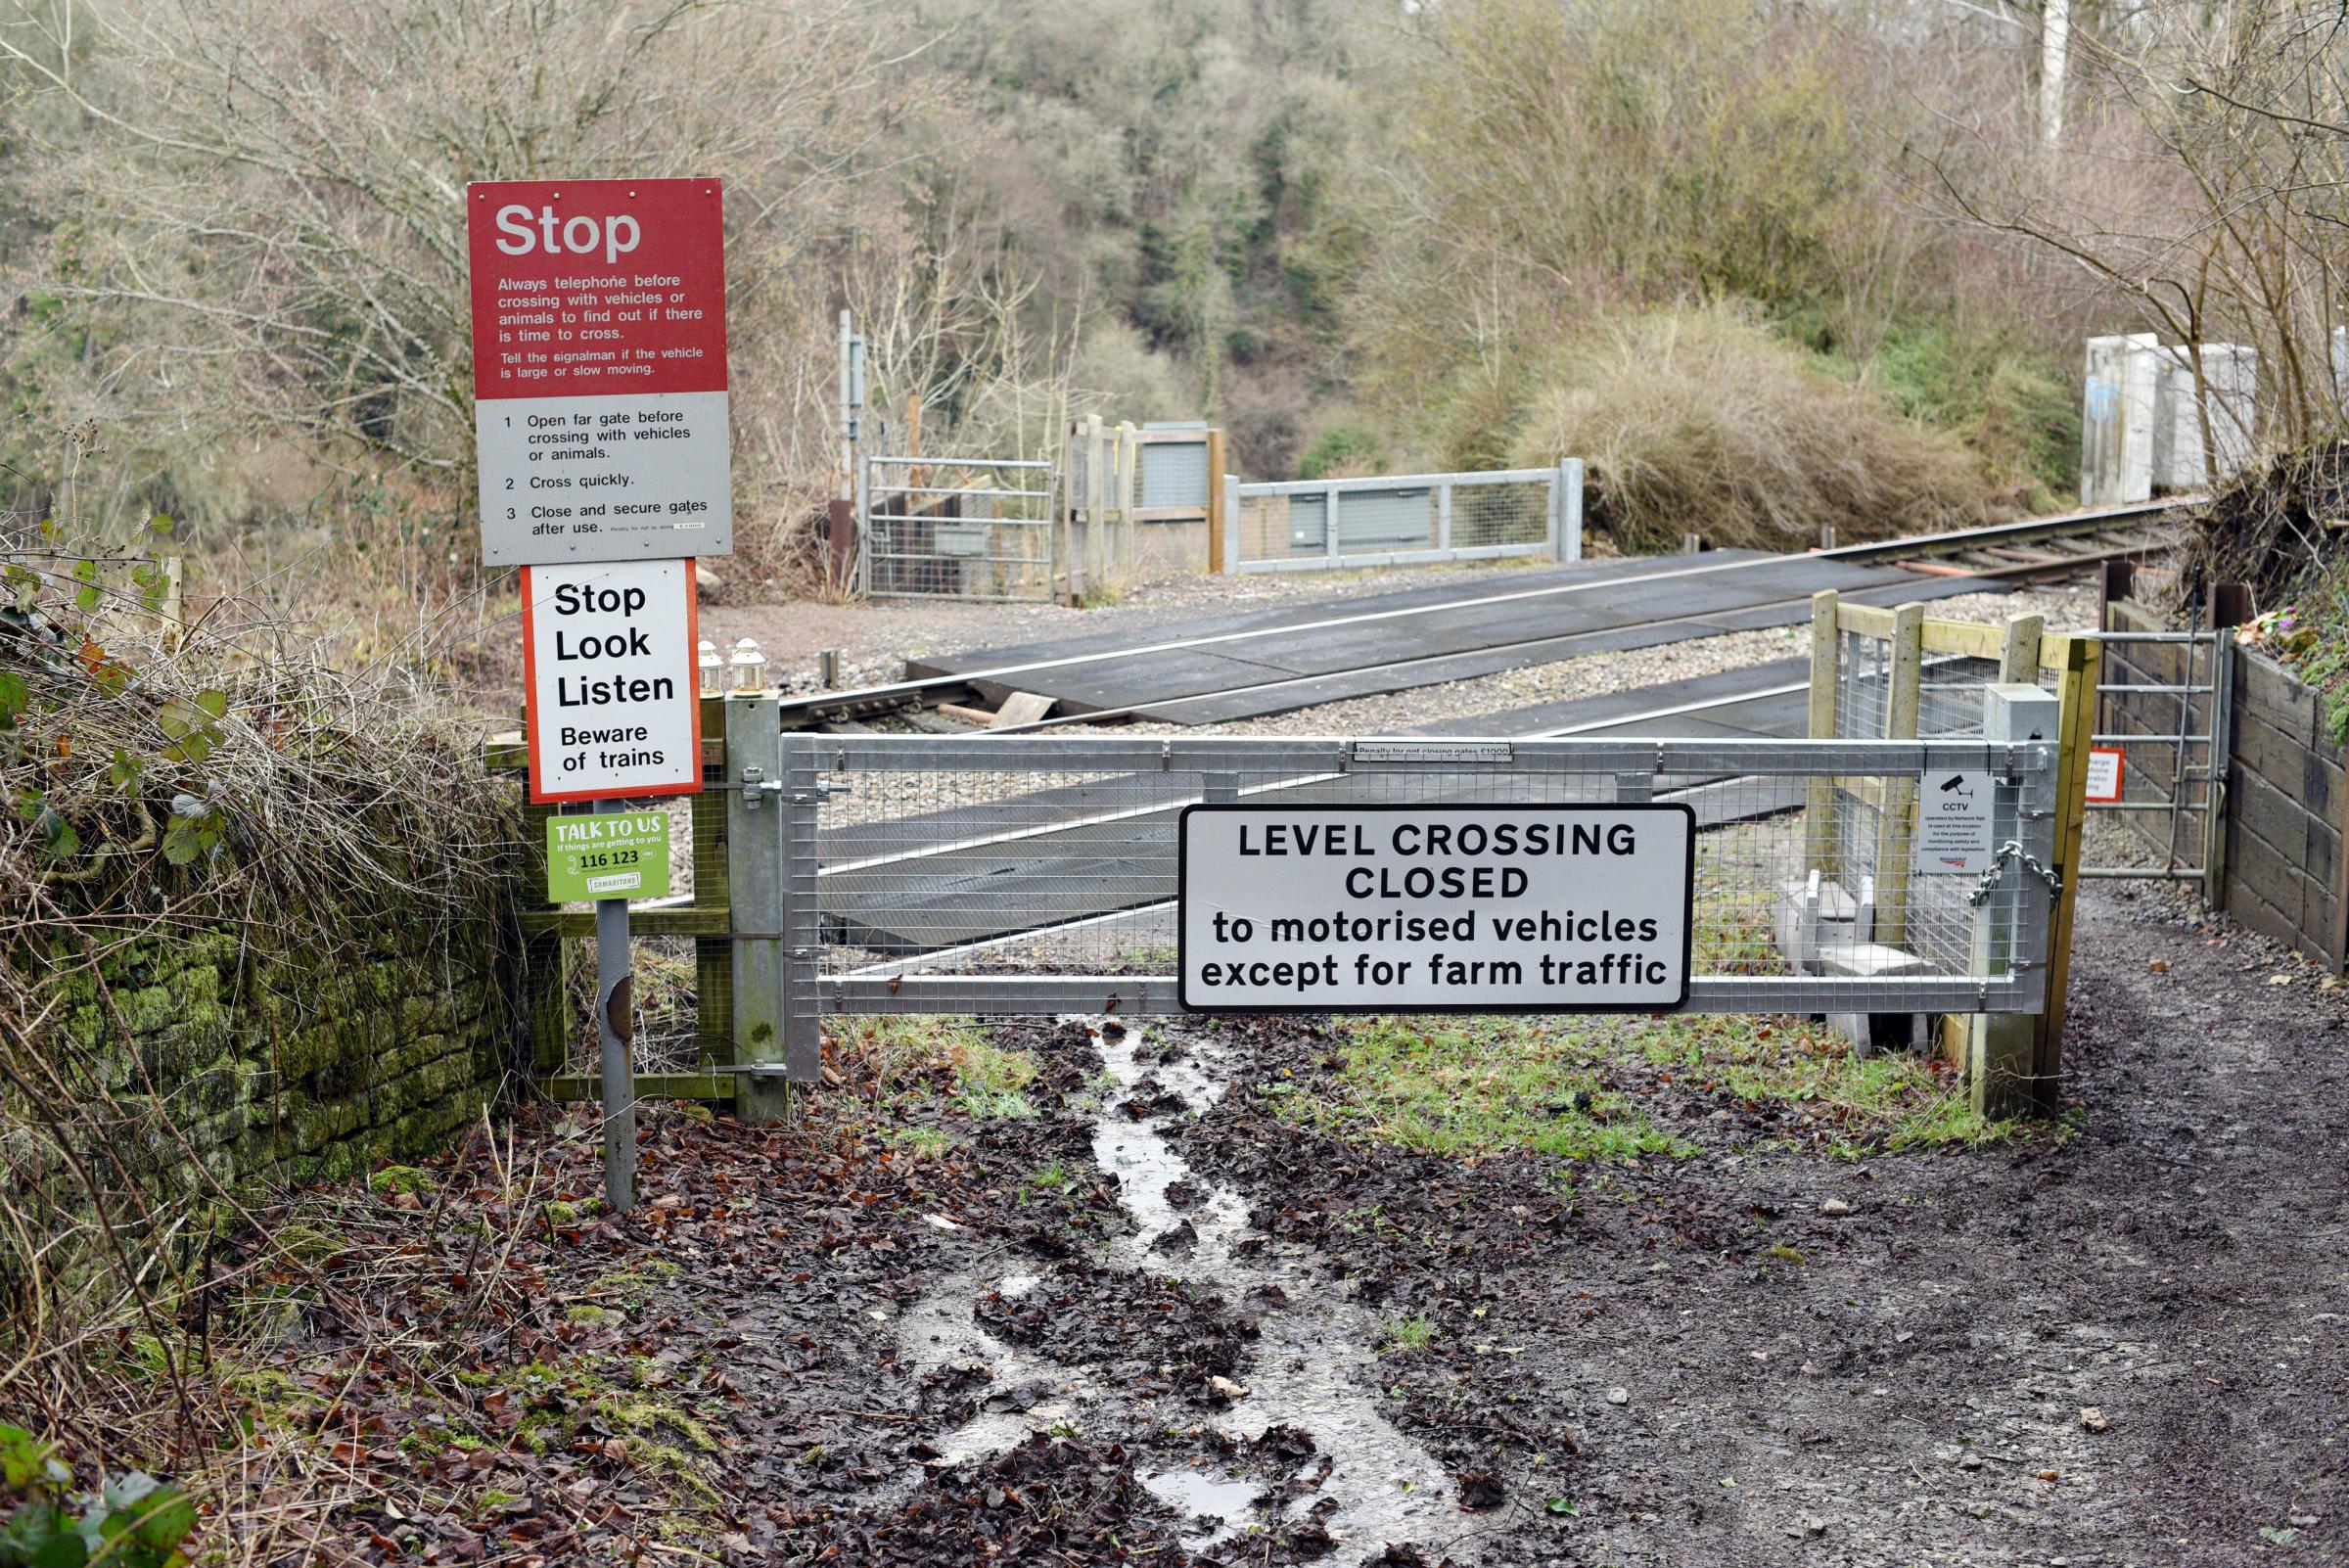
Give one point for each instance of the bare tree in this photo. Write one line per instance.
(267, 237)
(2208, 188)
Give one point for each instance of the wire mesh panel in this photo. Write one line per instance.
(1949, 705)
(964, 528)
(1403, 519)
(1012, 874)
(2163, 714)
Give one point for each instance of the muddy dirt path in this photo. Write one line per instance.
(1913, 1389)
(1046, 1291)
(2122, 1346)
(1236, 1340)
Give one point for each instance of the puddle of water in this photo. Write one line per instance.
(1200, 1496)
(1310, 1368)
(939, 1333)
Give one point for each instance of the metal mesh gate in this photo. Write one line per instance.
(1398, 519)
(1039, 874)
(958, 527)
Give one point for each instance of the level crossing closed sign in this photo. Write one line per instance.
(599, 369)
(1426, 909)
(612, 680)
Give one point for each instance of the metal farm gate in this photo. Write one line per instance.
(1007, 875)
(965, 528)
(2165, 717)
(1403, 520)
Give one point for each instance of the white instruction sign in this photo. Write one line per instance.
(1436, 908)
(1954, 823)
(611, 678)
(2105, 773)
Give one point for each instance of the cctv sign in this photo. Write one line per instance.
(599, 369)
(1954, 822)
(611, 673)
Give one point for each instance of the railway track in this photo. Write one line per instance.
(2037, 549)
(2034, 549)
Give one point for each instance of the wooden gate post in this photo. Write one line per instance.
(1896, 820)
(2019, 650)
(1819, 799)
(2077, 664)
(1216, 522)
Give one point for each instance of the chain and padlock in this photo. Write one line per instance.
(2012, 850)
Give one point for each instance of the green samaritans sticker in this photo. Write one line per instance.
(617, 854)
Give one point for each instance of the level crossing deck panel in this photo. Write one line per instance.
(1299, 655)
(989, 879)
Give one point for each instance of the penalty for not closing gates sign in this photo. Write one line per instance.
(611, 678)
(614, 855)
(1397, 908)
(599, 369)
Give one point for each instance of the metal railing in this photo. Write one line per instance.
(1034, 874)
(1403, 520)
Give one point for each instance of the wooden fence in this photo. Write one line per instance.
(2280, 870)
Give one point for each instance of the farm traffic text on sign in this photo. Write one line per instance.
(612, 679)
(1436, 908)
(599, 369)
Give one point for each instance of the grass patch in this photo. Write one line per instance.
(949, 1057)
(1053, 1178)
(1574, 1088)
(923, 1142)
(1855, 1105)
(1406, 1336)
(1457, 1088)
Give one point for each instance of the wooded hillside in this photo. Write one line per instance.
(1358, 235)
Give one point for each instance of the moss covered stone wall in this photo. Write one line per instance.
(275, 1067)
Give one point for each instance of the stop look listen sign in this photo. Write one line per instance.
(612, 680)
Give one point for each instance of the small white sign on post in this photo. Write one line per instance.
(2105, 773)
(612, 680)
(1436, 908)
(1954, 823)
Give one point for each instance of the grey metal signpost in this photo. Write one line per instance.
(615, 1033)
